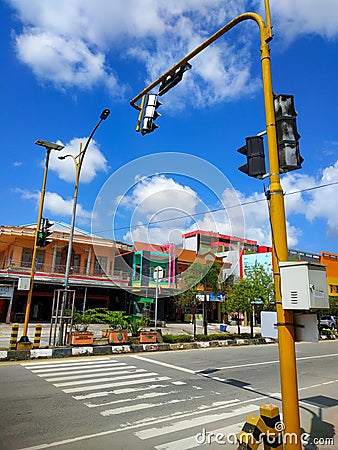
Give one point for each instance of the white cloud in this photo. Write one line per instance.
(159, 205)
(63, 61)
(76, 43)
(55, 204)
(296, 17)
(323, 202)
(93, 161)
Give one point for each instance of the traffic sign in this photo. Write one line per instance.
(158, 273)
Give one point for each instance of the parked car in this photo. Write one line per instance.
(328, 321)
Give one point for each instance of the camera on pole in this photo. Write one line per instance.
(150, 114)
(254, 152)
(287, 134)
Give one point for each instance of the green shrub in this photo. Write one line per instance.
(328, 332)
(214, 337)
(116, 320)
(137, 325)
(81, 321)
(177, 338)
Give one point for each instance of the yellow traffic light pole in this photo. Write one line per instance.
(286, 341)
(24, 339)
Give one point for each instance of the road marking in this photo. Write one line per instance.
(191, 441)
(119, 391)
(190, 423)
(141, 406)
(237, 366)
(89, 373)
(131, 399)
(160, 363)
(124, 428)
(62, 362)
(73, 368)
(136, 374)
(120, 383)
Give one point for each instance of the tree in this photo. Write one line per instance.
(257, 284)
(199, 279)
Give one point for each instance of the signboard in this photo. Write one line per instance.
(269, 324)
(6, 291)
(158, 273)
(24, 284)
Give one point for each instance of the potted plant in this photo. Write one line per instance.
(117, 330)
(80, 335)
(118, 327)
(138, 332)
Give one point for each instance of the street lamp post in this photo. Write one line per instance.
(49, 146)
(78, 160)
(286, 338)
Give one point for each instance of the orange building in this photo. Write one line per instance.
(96, 271)
(331, 262)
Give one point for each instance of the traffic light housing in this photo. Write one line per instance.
(287, 134)
(150, 114)
(43, 234)
(254, 152)
(171, 80)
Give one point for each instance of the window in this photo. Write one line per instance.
(27, 256)
(100, 265)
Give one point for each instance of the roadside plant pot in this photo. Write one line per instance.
(80, 338)
(117, 337)
(105, 334)
(148, 337)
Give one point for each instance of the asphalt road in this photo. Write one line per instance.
(167, 400)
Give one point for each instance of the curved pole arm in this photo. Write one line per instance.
(265, 34)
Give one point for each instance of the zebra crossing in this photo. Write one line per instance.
(153, 406)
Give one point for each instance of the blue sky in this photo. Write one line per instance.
(64, 62)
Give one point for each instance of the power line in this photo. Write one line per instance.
(218, 209)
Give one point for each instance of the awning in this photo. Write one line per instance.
(145, 300)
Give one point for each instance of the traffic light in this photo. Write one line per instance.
(43, 234)
(254, 152)
(173, 78)
(150, 114)
(287, 134)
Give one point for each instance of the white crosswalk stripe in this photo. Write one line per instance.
(172, 412)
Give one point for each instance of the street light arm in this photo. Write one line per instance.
(70, 156)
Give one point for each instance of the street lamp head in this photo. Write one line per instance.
(105, 113)
(49, 145)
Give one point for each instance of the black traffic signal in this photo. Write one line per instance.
(254, 152)
(287, 134)
(43, 234)
(173, 78)
(150, 114)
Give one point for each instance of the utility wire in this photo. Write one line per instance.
(251, 202)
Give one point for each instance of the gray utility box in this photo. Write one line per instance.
(304, 285)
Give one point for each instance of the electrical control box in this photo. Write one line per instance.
(303, 285)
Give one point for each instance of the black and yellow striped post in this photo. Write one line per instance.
(14, 336)
(252, 433)
(37, 337)
(273, 438)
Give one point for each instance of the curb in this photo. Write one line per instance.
(63, 352)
